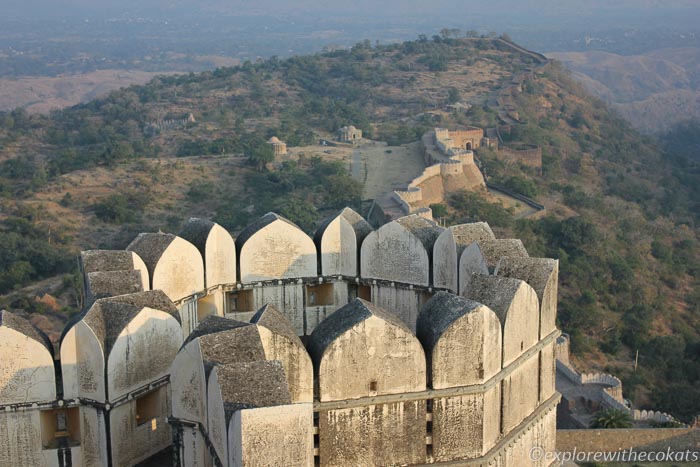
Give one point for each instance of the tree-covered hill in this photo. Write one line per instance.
(623, 209)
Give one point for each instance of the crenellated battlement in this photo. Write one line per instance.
(278, 336)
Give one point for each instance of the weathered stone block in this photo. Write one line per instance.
(465, 427)
(280, 435)
(386, 434)
(459, 337)
(361, 350)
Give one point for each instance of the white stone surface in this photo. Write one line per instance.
(297, 364)
(471, 262)
(339, 249)
(26, 369)
(216, 417)
(464, 355)
(393, 253)
(140, 266)
(277, 251)
(143, 352)
(220, 257)
(373, 350)
(404, 303)
(445, 262)
(189, 384)
(83, 364)
(275, 436)
(133, 442)
(180, 270)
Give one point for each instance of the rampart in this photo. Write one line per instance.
(610, 386)
(614, 440)
(450, 169)
(611, 393)
(167, 124)
(525, 154)
(396, 369)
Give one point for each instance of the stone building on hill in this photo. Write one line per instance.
(451, 141)
(280, 147)
(349, 134)
(406, 345)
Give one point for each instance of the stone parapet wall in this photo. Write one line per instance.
(613, 440)
(410, 195)
(652, 415)
(348, 289)
(403, 203)
(611, 394)
(530, 155)
(428, 172)
(561, 349)
(451, 168)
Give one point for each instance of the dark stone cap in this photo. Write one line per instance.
(109, 316)
(236, 345)
(248, 385)
(466, 234)
(211, 325)
(426, 231)
(269, 317)
(438, 314)
(196, 231)
(496, 292)
(150, 247)
(535, 271)
(494, 250)
(106, 260)
(112, 283)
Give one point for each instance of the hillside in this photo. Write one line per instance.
(622, 210)
(653, 91)
(40, 94)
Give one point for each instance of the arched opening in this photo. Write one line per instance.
(469, 146)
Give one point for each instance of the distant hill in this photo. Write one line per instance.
(653, 91)
(42, 94)
(623, 208)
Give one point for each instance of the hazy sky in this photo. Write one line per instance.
(28, 8)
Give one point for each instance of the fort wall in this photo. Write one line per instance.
(613, 440)
(450, 168)
(528, 155)
(393, 359)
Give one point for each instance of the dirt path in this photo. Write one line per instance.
(385, 168)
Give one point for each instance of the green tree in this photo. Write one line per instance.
(342, 190)
(260, 155)
(453, 95)
(439, 210)
(611, 418)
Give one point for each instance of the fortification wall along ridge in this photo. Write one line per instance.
(451, 167)
(397, 368)
(529, 155)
